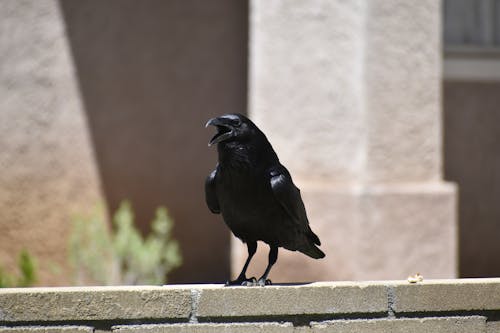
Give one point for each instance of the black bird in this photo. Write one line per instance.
(256, 195)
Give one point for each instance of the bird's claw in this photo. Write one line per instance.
(243, 282)
(252, 282)
(263, 282)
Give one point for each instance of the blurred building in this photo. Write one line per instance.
(106, 100)
(471, 99)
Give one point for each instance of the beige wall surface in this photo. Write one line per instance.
(48, 170)
(114, 95)
(349, 94)
(151, 74)
(107, 100)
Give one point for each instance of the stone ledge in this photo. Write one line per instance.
(94, 303)
(476, 324)
(472, 324)
(447, 295)
(320, 298)
(54, 329)
(320, 306)
(493, 327)
(207, 328)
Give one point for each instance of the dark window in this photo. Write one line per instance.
(472, 23)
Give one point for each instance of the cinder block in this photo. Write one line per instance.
(94, 303)
(493, 327)
(207, 328)
(309, 299)
(447, 295)
(51, 329)
(474, 324)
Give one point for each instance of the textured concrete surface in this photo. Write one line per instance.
(361, 78)
(475, 324)
(93, 303)
(448, 295)
(306, 72)
(48, 168)
(117, 77)
(208, 328)
(151, 74)
(470, 305)
(402, 82)
(411, 229)
(55, 329)
(307, 299)
(361, 81)
(493, 327)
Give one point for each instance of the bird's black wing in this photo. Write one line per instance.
(289, 197)
(210, 193)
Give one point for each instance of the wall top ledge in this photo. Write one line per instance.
(202, 286)
(216, 303)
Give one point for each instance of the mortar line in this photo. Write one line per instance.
(391, 300)
(195, 300)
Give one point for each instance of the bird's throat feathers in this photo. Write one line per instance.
(238, 155)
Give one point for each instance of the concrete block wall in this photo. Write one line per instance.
(468, 305)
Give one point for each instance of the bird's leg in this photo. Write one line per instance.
(242, 278)
(273, 256)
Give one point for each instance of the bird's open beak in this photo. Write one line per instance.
(224, 130)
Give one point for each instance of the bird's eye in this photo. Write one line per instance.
(236, 122)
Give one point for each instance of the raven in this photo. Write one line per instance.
(256, 195)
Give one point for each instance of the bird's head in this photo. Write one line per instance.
(232, 127)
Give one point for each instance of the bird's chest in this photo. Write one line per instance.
(243, 190)
(245, 198)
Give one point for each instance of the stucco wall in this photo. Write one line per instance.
(349, 94)
(48, 171)
(105, 101)
(151, 74)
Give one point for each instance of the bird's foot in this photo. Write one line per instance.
(252, 282)
(263, 282)
(243, 282)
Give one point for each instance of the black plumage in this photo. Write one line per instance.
(256, 195)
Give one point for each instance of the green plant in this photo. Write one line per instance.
(27, 268)
(120, 255)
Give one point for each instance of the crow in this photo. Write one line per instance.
(255, 194)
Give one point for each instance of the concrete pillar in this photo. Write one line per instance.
(348, 93)
(48, 172)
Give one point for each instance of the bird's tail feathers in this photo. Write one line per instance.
(313, 252)
(315, 238)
